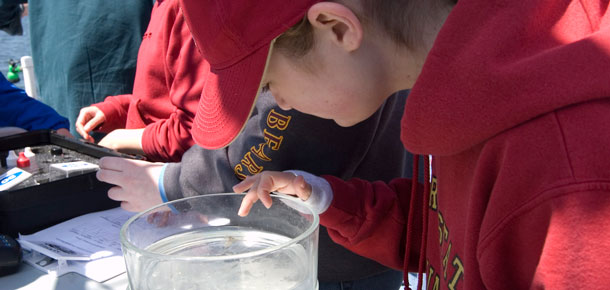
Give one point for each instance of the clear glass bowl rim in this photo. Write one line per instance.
(276, 197)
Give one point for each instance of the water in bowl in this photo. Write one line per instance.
(283, 269)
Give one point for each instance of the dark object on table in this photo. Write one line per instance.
(44, 200)
(10, 255)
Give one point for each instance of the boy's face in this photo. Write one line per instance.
(345, 76)
(327, 83)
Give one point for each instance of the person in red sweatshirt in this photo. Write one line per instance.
(156, 119)
(510, 104)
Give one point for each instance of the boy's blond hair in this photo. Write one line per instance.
(402, 21)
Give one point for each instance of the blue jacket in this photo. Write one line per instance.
(17, 109)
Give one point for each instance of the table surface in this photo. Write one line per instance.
(30, 278)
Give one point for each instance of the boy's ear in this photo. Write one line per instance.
(337, 22)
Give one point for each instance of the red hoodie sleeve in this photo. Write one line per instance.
(115, 110)
(371, 219)
(168, 139)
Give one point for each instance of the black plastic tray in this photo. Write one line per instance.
(30, 209)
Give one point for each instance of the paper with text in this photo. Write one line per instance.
(88, 244)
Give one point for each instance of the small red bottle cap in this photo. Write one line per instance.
(23, 161)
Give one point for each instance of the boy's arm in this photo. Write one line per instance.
(169, 138)
(19, 110)
(115, 110)
(124, 140)
(136, 182)
(370, 219)
(201, 171)
(367, 218)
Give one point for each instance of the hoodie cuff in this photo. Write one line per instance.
(147, 144)
(321, 192)
(113, 120)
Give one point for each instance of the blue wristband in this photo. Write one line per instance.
(162, 188)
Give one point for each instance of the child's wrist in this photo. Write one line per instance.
(321, 192)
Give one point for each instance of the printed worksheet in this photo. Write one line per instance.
(88, 244)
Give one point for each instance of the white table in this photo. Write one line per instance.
(30, 278)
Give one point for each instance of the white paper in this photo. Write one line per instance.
(88, 245)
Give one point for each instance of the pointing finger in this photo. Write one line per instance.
(247, 203)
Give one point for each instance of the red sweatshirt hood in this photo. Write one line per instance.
(496, 64)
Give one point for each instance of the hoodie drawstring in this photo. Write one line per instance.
(410, 218)
(424, 234)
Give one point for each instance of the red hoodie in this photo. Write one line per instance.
(166, 90)
(513, 105)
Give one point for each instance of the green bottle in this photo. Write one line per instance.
(13, 72)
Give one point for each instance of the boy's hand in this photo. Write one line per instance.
(262, 184)
(124, 140)
(137, 186)
(88, 119)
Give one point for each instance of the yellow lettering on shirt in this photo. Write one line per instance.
(258, 152)
(445, 261)
(458, 274)
(277, 120)
(436, 284)
(273, 141)
(443, 231)
(249, 163)
(274, 120)
(433, 203)
(239, 171)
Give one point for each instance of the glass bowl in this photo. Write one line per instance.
(201, 243)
